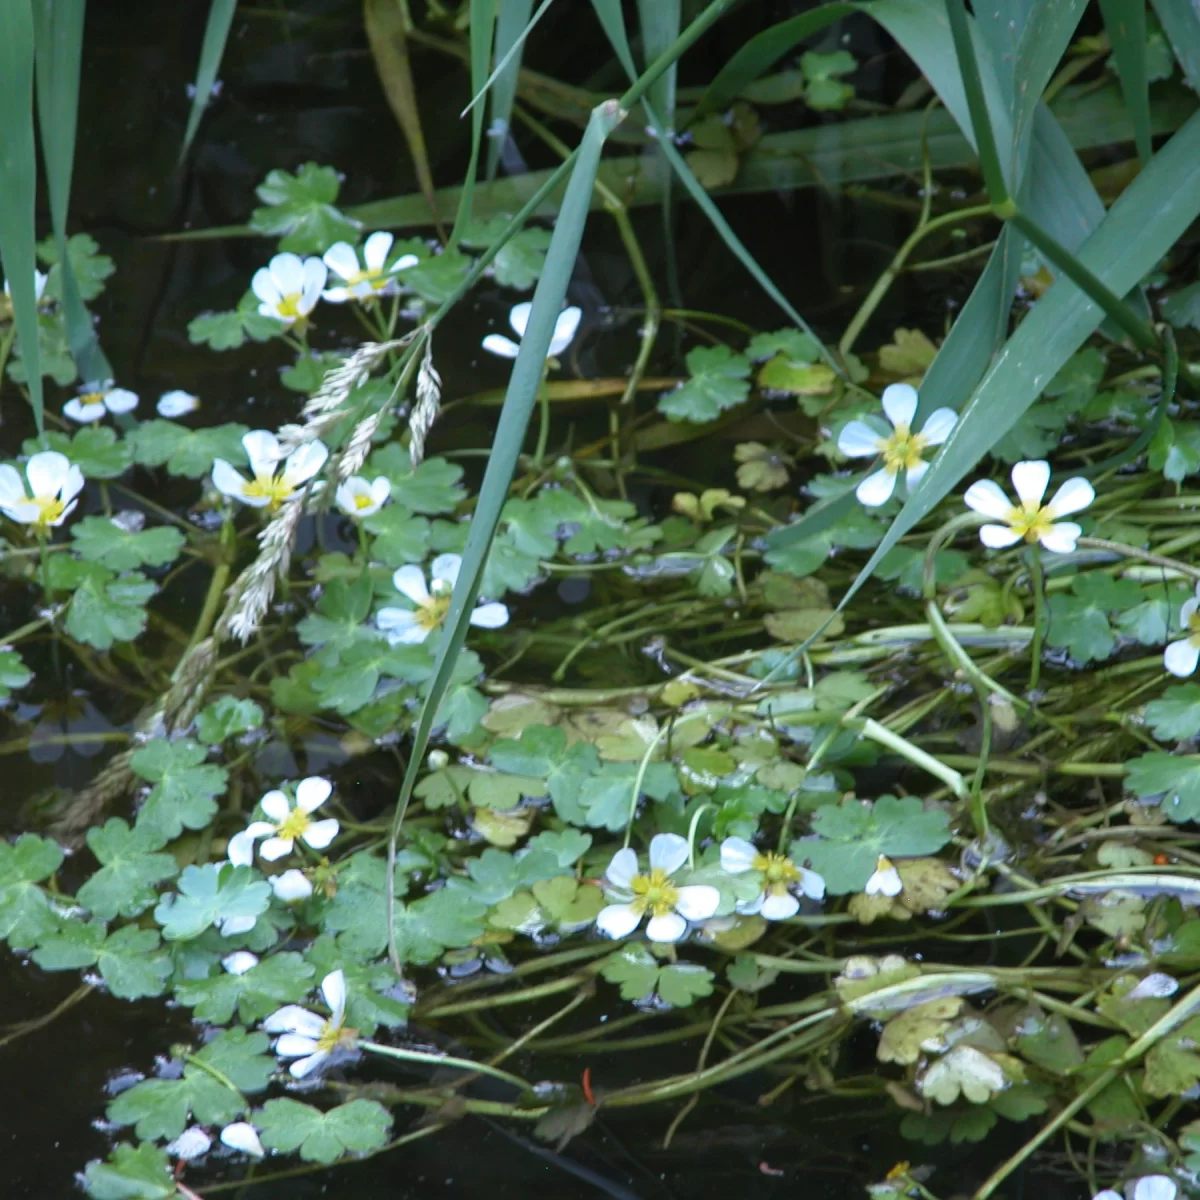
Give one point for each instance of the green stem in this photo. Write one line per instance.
(1038, 580)
(443, 1060)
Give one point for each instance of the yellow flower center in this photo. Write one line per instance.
(374, 279)
(779, 872)
(332, 1036)
(433, 612)
(1193, 623)
(1031, 521)
(903, 450)
(363, 500)
(289, 306)
(294, 825)
(50, 508)
(270, 487)
(653, 893)
(91, 397)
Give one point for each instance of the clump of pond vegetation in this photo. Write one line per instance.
(811, 715)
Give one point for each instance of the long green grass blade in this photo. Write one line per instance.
(212, 50)
(1178, 19)
(1142, 225)
(659, 21)
(612, 20)
(483, 22)
(519, 400)
(58, 45)
(1125, 22)
(512, 27)
(18, 186)
(387, 35)
(757, 56)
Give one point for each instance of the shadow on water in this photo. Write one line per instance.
(299, 86)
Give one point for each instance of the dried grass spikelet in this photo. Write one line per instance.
(429, 402)
(252, 592)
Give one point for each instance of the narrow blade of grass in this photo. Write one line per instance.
(512, 27)
(483, 23)
(659, 21)
(388, 39)
(18, 186)
(1178, 19)
(58, 45)
(519, 400)
(1125, 22)
(212, 50)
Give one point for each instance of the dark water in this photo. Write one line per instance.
(299, 84)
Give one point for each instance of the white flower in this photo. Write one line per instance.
(39, 287)
(54, 482)
(1030, 520)
(308, 1038)
(191, 1143)
(241, 1135)
(287, 824)
(670, 905)
(365, 280)
(95, 399)
(177, 404)
(269, 488)
(239, 962)
(886, 879)
(291, 885)
(405, 626)
(902, 449)
(778, 876)
(564, 331)
(1149, 1187)
(1181, 657)
(359, 497)
(287, 288)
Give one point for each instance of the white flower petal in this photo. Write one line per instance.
(263, 285)
(288, 272)
(72, 486)
(83, 413)
(497, 343)
(617, 920)
(877, 488)
(232, 926)
(333, 990)
(239, 962)
(191, 1143)
(291, 1018)
(900, 404)
(177, 403)
(291, 885)
(1155, 1187)
(400, 627)
(1031, 480)
(315, 275)
(275, 805)
(262, 449)
(490, 616)
(1188, 609)
(885, 880)
(341, 260)
(375, 250)
(320, 833)
(668, 852)
(779, 907)
(518, 317)
(275, 848)
(120, 400)
(998, 537)
(292, 1045)
(737, 855)
(670, 927)
(445, 568)
(410, 581)
(404, 262)
(24, 511)
(1074, 496)
(749, 908)
(698, 901)
(306, 1066)
(47, 473)
(241, 1135)
(565, 326)
(623, 867)
(939, 425)
(914, 474)
(381, 489)
(988, 498)
(240, 850)
(312, 792)
(812, 884)
(1061, 538)
(12, 489)
(227, 481)
(303, 463)
(1180, 658)
(859, 440)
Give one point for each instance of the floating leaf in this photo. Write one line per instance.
(719, 381)
(211, 894)
(354, 1128)
(130, 870)
(300, 210)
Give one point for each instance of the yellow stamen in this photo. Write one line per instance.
(653, 893)
(1193, 624)
(294, 825)
(50, 508)
(779, 872)
(903, 450)
(433, 612)
(91, 397)
(270, 487)
(363, 500)
(289, 306)
(1031, 521)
